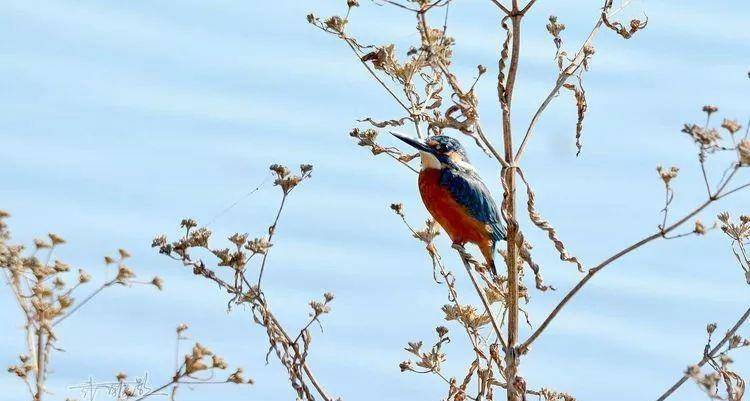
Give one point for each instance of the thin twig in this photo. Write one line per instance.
(566, 73)
(501, 6)
(616, 256)
(84, 301)
(377, 78)
(271, 232)
(528, 6)
(708, 356)
(465, 258)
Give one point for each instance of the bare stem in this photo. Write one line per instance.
(271, 232)
(501, 6)
(40, 364)
(307, 370)
(509, 201)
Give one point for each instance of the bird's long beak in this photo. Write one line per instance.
(416, 143)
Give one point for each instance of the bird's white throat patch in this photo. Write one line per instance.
(429, 161)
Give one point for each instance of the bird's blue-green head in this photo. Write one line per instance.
(438, 151)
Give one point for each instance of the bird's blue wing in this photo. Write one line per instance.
(469, 191)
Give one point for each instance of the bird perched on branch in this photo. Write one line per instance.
(455, 195)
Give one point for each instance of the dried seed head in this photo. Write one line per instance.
(352, 3)
(188, 223)
(554, 27)
(158, 283)
(218, 362)
(428, 234)
(328, 296)
(284, 178)
(710, 109)
(693, 371)
(725, 360)
(40, 244)
(182, 327)
(61, 267)
(64, 301)
(336, 23)
(124, 274)
(667, 174)
(699, 228)
(236, 377)
(318, 308)
(711, 328)
(258, 245)
(383, 58)
(731, 125)
(744, 149)
(83, 277)
(441, 331)
(702, 136)
(193, 365)
(56, 240)
(398, 208)
(238, 239)
(121, 377)
(159, 241)
(58, 283)
(123, 254)
(280, 170)
(108, 260)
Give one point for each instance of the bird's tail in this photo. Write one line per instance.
(488, 251)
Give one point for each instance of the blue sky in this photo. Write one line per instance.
(120, 118)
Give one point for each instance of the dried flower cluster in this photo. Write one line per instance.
(245, 287)
(199, 366)
(46, 292)
(739, 232)
(721, 378)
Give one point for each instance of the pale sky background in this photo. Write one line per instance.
(121, 117)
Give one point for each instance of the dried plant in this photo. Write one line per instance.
(722, 383)
(46, 292)
(434, 101)
(199, 366)
(233, 274)
(39, 285)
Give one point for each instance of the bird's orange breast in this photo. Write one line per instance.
(451, 215)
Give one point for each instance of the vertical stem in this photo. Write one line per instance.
(40, 356)
(511, 358)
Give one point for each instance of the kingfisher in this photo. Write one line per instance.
(455, 195)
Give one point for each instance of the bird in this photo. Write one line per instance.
(455, 195)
